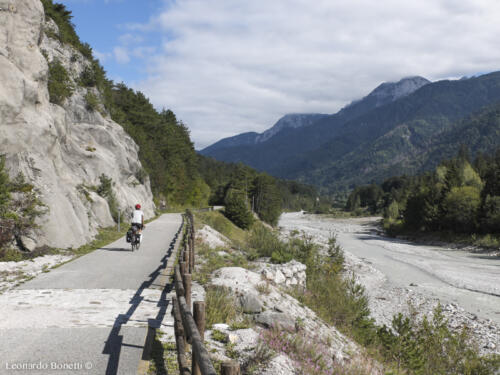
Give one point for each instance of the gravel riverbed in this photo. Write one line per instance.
(400, 276)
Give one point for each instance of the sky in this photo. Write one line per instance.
(230, 66)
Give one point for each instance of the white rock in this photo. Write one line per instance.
(237, 279)
(268, 274)
(233, 338)
(279, 278)
(287, 272)
(212, 238)
(220, 326)
(280, 365)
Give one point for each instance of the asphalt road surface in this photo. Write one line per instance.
(91, 315)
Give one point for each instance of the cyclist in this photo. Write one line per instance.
(138, 220)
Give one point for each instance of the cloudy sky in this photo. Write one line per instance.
(230, 66)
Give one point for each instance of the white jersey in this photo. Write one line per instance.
(137, 217)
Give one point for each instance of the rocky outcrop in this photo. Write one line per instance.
(291, 274)
(282, 310)
(211, 237)
(61, 150)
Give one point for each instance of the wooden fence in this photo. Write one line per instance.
(190, 326)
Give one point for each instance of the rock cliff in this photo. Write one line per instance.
(61, 149)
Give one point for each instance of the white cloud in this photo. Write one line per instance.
(130, 38)
(121, 55)
(228, 66)
(101, 56)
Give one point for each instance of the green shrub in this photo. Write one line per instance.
(59, 84)
(87, 77)
(105, 190)
(20, 207)
(92, 101)
(430, 347)
(264, 242)
(219, 336)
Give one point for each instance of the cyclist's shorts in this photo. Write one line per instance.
(137, 225)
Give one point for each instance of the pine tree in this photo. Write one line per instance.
(237, 209)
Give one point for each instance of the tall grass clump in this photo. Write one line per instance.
(220, 306)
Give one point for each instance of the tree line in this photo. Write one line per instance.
(460, 195)
(242, 189)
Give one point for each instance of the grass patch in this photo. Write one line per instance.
(15, 255)
(212, 261)
(103, 238)
(220, 306)
(220, 223)
(163, 357)
(219, 336)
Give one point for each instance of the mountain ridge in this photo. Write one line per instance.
(344, 149)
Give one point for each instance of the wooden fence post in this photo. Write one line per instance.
(180, 337)
(191, 257)
(230, 368)
(199, 318)
(183, 269)
(187, 289)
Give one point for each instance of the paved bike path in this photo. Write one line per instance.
(89, 316)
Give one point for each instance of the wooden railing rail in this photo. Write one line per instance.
(190, 329)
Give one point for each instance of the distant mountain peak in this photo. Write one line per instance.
(290, 120)
(388, 92)
(391, 91)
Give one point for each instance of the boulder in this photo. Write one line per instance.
(250, 303)
(270, 319)
(240, 280)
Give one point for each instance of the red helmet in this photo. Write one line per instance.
(137, 206)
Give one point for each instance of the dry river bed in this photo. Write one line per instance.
(401, 276)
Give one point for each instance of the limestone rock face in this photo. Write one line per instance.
(61, 150)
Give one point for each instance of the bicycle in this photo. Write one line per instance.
(134, 238)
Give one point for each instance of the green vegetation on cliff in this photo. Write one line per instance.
(20, 206)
